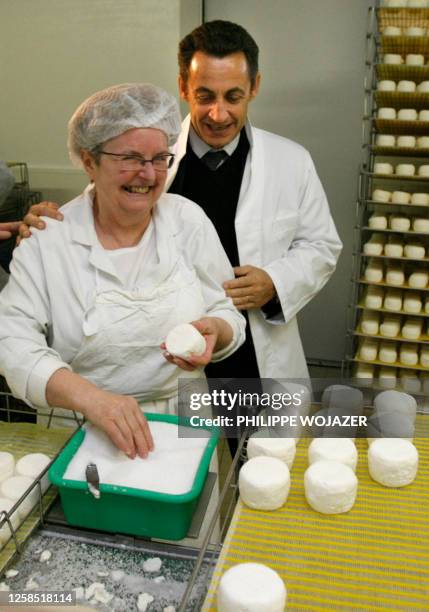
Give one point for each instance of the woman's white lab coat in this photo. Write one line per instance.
(283, 225)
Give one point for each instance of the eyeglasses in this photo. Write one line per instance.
(134, 163)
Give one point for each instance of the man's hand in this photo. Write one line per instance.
(251, 288)
(9, 229)
(32, 218)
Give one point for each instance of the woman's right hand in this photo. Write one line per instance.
(120, 417)
(32, 218)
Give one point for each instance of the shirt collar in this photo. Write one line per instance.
(200, 148)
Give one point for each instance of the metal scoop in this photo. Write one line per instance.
(93, 480)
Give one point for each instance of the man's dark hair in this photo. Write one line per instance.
(218, 38)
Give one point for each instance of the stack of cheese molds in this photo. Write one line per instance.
(392, 265)
(127, 510)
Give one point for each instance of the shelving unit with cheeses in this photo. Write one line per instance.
(389, 314)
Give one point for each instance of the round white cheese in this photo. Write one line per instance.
(251, 587)
(393, 462)
(424, 115)
(374, 272)
(407, 114)
(423, 87)
(401, 197)
(394, 276)
(393, 300)
(405, 170)
(369, 323)
(330, 487)
(387, 378)
(185, 340)
(392, 31)
(282, 448)
(388, 352)
(7, 465)
(407, 86)
(341, 450)
(412, 302)
(31, 465)
(414, 59)
(424, 168)
(383, 168)
(385, 140)
(414, 250)
(381, 195)
(264, 483)
(422, 199)
(5, 506)
(408, 354)
(412, 329)
(365, 373)
(386, 85)
(386, 113)
(421, 224)
(418, 279)
(390, 326)
(368, 350)
(374, 297)
(395, 401)
(15, 487)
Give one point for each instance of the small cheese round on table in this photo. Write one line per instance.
(330, 487)
(264, 483)
(393, 462)
(341, 450)
(5, 506)
(7, 465)
(15, 487)
(185, 340)
(259, 445)
(32, 465)
(251, 587)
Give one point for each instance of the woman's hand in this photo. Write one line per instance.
(32, 218)
(217, 334)
(119, 416)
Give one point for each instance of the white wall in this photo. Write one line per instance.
(54, 53)
(312, 64)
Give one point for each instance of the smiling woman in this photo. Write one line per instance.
(91, 300)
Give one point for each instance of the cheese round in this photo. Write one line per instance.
(251, 587)
(390, 326)
(408, 354)
(410, 382)
(406, 86)
(392, 58)
(394, 276)
(341, 450)
(414, 250)
(414, 59)
(427, 305)
(392, 31)
(377, 221)
(412, 329)
(31, 465)
(424, 115)
(330, 487)
(423, 87)
(418, 279)
(407, 114)
(368, 350)
(417, 4)
(281, 448)
(369, 323)
(387, 378)
(388, 352)
(374, 297)
(374, 272)
(393, 300)
(395, 401)
(386, 85)
(15, 487)
(424, 168)
(395, 3)
(385, 140)
(365, 373)
(424, 357)
(423, 141)
(422, 199)
(381, 195)
(264, 483)
(421, 224)
(7, 465)
(412, 302)
(383, 168)
(373, 247)
(393, 462)
(5, 506)
(401, 197)
(185, 341)
(406, 142)
(386, 113)
(405, 170)
(399, 223)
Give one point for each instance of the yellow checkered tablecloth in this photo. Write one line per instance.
(375, 557)
(21, 439)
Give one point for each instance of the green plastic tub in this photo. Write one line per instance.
(128, 510)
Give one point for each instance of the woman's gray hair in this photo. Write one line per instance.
(112, 111)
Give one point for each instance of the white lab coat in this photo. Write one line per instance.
(65, 305)
(283, 225)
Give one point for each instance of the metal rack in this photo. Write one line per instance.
(377, 45)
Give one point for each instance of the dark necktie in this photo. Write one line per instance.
(214, 159)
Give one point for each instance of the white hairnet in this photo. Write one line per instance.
(112, 111)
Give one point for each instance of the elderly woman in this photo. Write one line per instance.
(91, 300)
